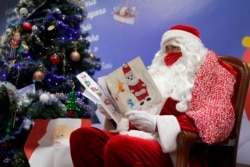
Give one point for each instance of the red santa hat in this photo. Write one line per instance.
(126, 69)
(180, 30)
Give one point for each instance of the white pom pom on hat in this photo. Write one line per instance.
(180, 30)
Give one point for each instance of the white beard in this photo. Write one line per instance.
(176, 81)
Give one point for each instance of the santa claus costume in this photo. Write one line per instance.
(197, 87)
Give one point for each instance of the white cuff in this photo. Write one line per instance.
(168, 129)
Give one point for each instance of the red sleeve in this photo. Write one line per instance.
(185, 122)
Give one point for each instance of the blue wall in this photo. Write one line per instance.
(223, 25)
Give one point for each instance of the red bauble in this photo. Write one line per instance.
(54, 59)
(27, 26)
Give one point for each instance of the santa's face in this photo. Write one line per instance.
(131, 79)
(172, 48)
(129, 76)
(176, 80)
(173, 53)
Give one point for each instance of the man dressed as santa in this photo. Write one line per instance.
(197, 87)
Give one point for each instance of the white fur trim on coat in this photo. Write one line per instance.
(168, 129)
(168, 35)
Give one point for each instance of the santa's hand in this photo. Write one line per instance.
(123, 125)
(142, 120)
(103, 111)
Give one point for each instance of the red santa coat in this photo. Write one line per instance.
(210, 112)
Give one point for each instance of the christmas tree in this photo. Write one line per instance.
(39, 59)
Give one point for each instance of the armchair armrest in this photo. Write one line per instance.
(185, 140)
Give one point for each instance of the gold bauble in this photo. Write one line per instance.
(38, 76)
(75, 56)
